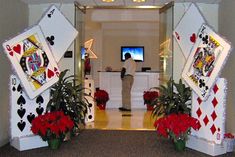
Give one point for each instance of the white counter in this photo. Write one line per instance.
(111, 82)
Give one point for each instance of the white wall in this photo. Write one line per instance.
(13, 20)
(210, 13)
(227, 29)
(35, 14)
(112, 29)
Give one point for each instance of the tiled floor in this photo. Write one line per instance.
(112, 119)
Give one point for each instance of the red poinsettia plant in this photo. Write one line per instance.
(101, 96)
(176, 126)
(149, 96)
(52, 125)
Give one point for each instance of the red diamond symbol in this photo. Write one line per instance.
(215, 88)
(214, 102)
(205, 120)
(214, 116)
(213, 129)
(199, 126)
(199, 100)
(199, 112)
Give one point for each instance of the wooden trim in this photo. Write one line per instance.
(80, 7)
(167, 6)
(123, 7)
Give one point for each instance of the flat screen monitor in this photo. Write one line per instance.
(137, 52)
(83, 52)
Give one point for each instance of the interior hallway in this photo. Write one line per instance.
(113, 119)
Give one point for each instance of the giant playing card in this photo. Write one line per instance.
(211, 113)
(59, 32)
(186, 31)
(205, 61)
(32, 60)
(23, 109)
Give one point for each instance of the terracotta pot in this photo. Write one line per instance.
(101, 106)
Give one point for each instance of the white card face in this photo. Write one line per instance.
(23, 109)
(89, 89)
(187, 29)
(211, 113)
(205, 61)
(58, 31)
(32, 60)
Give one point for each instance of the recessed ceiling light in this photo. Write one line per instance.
(108, 0)
(138, 0)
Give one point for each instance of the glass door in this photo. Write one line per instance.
(79, 43)
(166, 43)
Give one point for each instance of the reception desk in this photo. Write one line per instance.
(111, 82)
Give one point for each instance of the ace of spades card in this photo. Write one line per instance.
(59, 32)
(32, 60)
(205, 61)
(211, 113)
(23, 109)
(186, 30)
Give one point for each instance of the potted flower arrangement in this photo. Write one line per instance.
(149, 97)
(176, 127)
(101, 97)
(52, 127)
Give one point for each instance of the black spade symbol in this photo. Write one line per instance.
(39, 110)
(21, 125)
(39, 99)
(89, 105)
(14, 88)
(90, 117)
(21, 112)
(49, 15)
(21, 100)
(19, 88)
(30, 117)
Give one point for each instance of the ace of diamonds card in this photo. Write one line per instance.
(32, 60)
(205, 61)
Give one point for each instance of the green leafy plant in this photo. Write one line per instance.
(68, 97)
(173, 98)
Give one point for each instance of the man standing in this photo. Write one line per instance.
(127, 76)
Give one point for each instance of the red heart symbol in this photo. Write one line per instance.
(11, 53)
(17, 48)
(177, 35)
(50, 73)
(193, 38)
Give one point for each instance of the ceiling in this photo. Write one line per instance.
(125, 3)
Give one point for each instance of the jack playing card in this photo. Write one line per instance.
(186, 31)
(205, 61)
(59, 32)
(32, 60)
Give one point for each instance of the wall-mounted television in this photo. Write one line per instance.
(137, 52)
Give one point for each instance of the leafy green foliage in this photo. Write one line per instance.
(173, 98)
(68, 97)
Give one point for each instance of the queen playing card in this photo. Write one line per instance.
(32, 60)
(205, 61)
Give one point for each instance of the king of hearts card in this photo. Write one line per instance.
(32, 60)
(205, 61)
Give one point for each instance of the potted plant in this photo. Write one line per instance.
(173, 98)
(149, 97)
(101, 97)
(52, 127)
(68, 97)
(176, 127)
